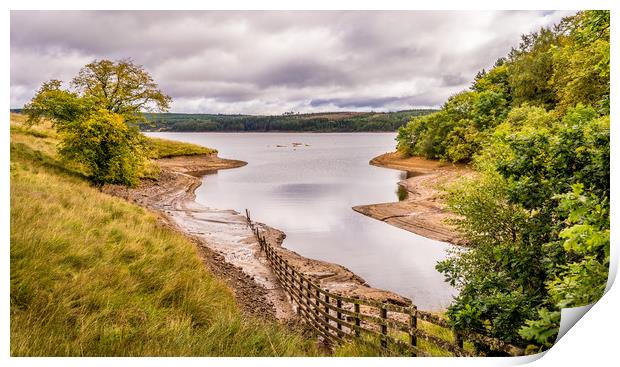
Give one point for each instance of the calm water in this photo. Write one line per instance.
(308, 190)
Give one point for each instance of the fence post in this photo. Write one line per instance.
(458, 339)
(413, 325)
(309, 296)
(338, 313)
(301, 289)
(293, 287)
(384, 328)
(327, 309)
(316, 304)
(356, 307)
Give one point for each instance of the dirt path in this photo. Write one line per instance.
(423, 211)
(227, 244)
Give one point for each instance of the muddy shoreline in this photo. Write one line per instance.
(228, 247)
(422, 211)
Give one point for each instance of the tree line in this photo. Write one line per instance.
(536, 128)
(327, 122)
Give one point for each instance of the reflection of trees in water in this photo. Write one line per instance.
(401, 191)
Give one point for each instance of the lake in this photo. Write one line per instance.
(305, 185)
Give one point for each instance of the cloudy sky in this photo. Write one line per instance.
(272, 62)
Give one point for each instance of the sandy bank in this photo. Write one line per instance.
(423, 211)
(227, 244)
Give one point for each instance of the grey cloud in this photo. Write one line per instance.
(274, 61)
(378, 102)
(299, 73)
(454, 79)
(354, 102)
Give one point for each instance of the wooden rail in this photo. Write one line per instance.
(395, 329)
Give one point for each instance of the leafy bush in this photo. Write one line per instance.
(110, 150)
(537, 216)
(98, 121)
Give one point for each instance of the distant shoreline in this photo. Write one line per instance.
(271, 132)
(329, 122)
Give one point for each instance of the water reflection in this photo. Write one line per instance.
(308, 191)
(401, 192)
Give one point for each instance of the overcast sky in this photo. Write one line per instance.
(272, 62)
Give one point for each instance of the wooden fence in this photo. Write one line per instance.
(395, 329)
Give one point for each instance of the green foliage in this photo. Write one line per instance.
(110, 150)
(484, 214)
(582, 280)
(327, 122)
(59, 105)
(553, 69)
(93, 275)
(537, 214)
(586, 240)
(456, 132)
(584, 63)
(530, 69)
(544, 330)
(97, 121)
(495, 80)
(462, 143)
(536, 243)
(121, 87)
(525, 222)
(498, 281)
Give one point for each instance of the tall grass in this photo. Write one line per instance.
(92, 275)
(162, 148)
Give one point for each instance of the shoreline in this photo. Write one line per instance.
(228, 247)
(423, 211)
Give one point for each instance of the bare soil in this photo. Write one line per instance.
(227, 245)
(423, 211)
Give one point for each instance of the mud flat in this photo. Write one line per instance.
(423, 211)
(228, 246)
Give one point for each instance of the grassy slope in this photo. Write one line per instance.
(94, 275)
(162, 148)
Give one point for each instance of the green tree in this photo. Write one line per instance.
(121, 87)
(537, 217)
(98, 119)
(537, 221)
(581, 64)
(530, 68)
(110, 150)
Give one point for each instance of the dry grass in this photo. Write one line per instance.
(92, 275)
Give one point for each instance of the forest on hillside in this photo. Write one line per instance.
(317, 122)
(536, 128)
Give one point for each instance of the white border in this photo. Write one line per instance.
(592, 341)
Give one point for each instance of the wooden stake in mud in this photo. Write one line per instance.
(384, 328)
(413, 324)
(327, 308)
(317, 296)
(338, 313)
(356, 307)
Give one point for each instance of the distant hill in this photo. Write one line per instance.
(317, 122)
